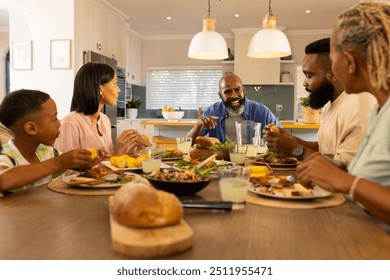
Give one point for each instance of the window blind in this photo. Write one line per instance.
(184, 88)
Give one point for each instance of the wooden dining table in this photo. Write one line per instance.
(41, 224)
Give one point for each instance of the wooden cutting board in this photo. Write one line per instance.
(139, 243)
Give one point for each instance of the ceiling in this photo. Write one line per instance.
(148, 17)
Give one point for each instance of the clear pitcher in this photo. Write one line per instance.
(249, 133)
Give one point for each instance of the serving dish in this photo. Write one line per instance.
(280, 194)
(214, 168)
(176, 187)
(92, 183)
(173, 116)
(132, 169)
(275, 160)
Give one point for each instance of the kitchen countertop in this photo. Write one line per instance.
(192, 122)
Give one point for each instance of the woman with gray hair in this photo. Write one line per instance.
(360, 53)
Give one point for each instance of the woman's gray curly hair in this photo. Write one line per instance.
(365, 30)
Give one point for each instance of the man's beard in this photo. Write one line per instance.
(318, 98)
(235, 110)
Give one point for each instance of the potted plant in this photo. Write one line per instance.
(309, 114)
(132, 108)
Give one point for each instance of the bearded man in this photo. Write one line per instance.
(344, 117)
(218, 120)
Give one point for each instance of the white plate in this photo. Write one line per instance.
(171, 158)
(218, 162)
(317, 193)
(134, 169)
(67, 180)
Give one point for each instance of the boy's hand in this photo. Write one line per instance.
(79, 158)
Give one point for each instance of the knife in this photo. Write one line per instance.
(218, 205)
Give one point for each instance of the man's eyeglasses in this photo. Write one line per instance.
(230, 91)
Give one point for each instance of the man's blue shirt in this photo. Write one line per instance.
(253, 111)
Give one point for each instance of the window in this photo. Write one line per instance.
(184, 88)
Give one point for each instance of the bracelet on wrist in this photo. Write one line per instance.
(353, 187)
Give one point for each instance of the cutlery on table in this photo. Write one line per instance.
(217, 205)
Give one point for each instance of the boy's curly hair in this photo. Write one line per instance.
(19, 103)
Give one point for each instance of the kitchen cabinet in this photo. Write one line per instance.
(100, 29)
(254, 71)
(135, 124)
(134, 59)
(117, 40)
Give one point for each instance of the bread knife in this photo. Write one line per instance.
(218, 205)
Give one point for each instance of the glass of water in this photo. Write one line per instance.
(234, 183)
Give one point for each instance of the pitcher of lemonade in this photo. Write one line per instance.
(249, 133)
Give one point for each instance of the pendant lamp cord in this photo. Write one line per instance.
(269, 8)
(209, 10)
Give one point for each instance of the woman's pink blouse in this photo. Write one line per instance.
(78, 132)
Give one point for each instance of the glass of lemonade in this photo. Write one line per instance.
(234, 183)
(151, 160)
(237, 153)
(184, 144)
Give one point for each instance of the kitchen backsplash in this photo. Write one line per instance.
(269, 95)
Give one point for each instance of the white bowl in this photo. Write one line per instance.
(173, 116)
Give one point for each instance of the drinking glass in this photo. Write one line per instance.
(237, 153)
(184, 144)
(248, 133)
(151, 160)
(233, 184)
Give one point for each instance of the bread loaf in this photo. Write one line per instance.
(144, 140)
(272, 127)
(140, 205)
(205, 142)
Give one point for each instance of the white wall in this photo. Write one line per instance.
(4, 47)
(40, 21)
(172, 53)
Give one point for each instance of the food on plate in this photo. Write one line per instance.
(144, 140)
(94, 153)
(206, 146)
(302, 190)
(139, 205)
(259, 171)
(278, 182)
(99, 172)
(272, 127)
(126, 161)
(172, 153)
(178, 176)
(102, 175)
(191, 164)
(205, 142)
(279, 186)
(272, 157)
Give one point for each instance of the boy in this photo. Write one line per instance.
(28, 159)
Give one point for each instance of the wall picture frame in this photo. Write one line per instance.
(22, 53)
(60, 54)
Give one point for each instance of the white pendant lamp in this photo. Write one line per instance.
(269, 42)
(208, 44)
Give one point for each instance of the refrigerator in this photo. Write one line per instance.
(111, 111)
